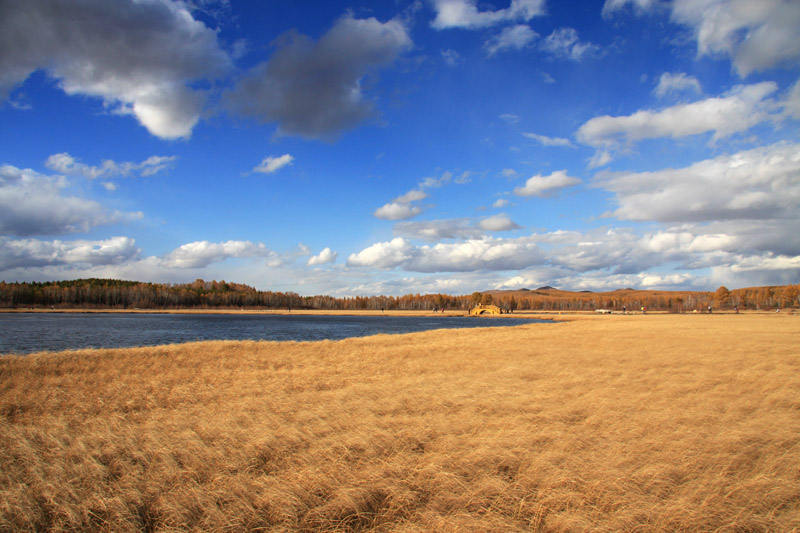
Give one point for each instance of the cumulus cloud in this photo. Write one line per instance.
(755, 35)
(513, 37)
(737, 111)
(325, 256)
(272, 164)
(600, 158)
(546, 185)
(397, 211)
(34, 253)
(139, 57)
(470, 255)
(500, 202)
(437, 230)
(383, 254)
(200, 254)
(35, 204)
(762, 183)
(313, 89)
(402, 208)
(564, 43)
(465, 13)
(454, 228)
(640, 6)
(676, 83)
(413, 195)
(549, 141)
(66, 164)
(499, 222)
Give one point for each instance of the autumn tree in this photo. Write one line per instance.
(722, 296)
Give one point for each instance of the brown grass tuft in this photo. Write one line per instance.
(612, 423)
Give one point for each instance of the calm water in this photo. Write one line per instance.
(31, 332)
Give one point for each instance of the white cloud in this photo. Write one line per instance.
(756, 35)
(140, 58)
(510, 118)
(437, 230)
(411, 196)
(640, 6)
(763, 183)
(792, 102)
(34, 253)
(499, 222)
(314, 89)
(200, 254)
(401, 208)
(272, 164)
(66, 164)
(500, 202)
(513, 37)
(465, 14)
(549, 141)
(470, 255)
(564, 43)
(454, 228)
(397, 211)
(34, 204)
(382, 254)
(675, 83)
(600, 158)
(451, 57)
(737, 111)
(325, 256)
(434, 183)
(546, 185)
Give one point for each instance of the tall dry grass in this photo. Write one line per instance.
(614, 423)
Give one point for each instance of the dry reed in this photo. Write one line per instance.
(613, 423)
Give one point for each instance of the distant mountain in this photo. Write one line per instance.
(547, 288)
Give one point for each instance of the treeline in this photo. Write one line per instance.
(752, 298)
(120, 294)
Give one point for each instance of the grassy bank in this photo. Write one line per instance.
(616, 423)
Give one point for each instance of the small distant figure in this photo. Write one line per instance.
(624, 310)
(709, 309)
(736, 309)
(644, 311)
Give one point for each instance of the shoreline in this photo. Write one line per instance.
(394, 312)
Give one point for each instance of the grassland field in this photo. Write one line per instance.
(617, 422)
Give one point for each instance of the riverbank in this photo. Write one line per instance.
(614, 422)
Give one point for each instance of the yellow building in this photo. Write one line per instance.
(485, 310)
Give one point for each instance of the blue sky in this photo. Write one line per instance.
(355, 148)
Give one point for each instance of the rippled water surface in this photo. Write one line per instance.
(32, 332)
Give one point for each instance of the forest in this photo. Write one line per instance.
(200, 294)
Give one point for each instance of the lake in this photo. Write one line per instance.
(23, 333)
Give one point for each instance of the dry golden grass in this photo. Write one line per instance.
(611, 423)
